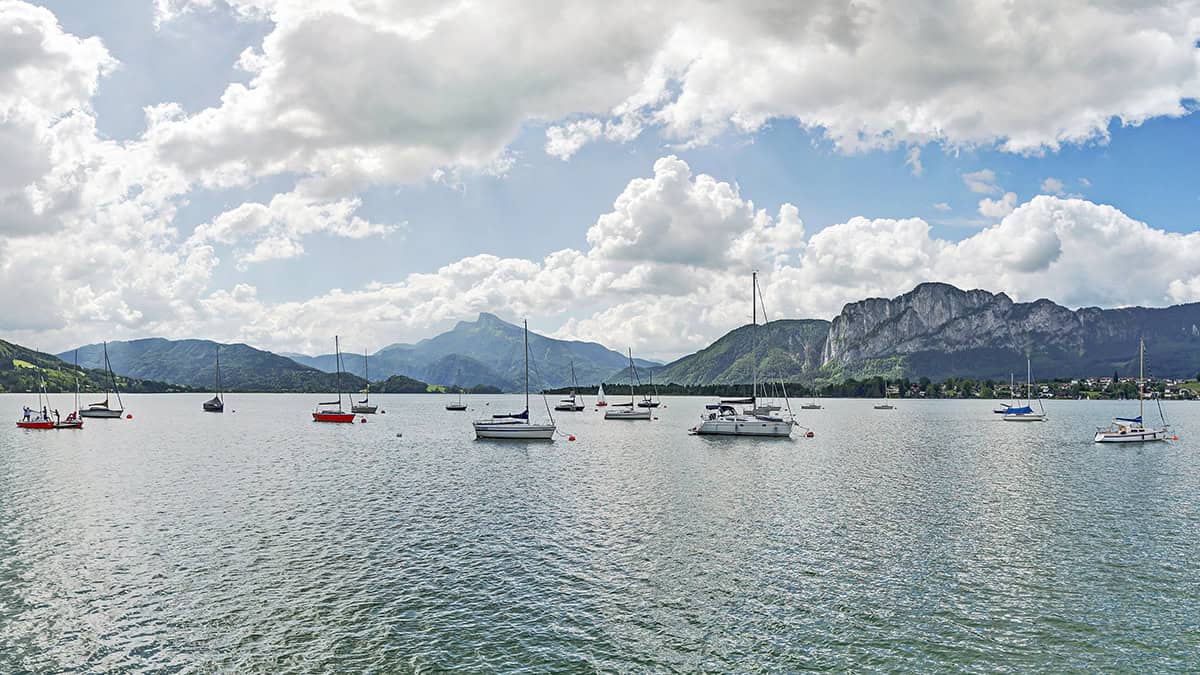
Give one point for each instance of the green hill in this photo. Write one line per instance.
(21, 366)
(192, 363)
(788, 349)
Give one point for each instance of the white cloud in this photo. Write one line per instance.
(1052, 186)
(941, 206)
(982, 182)
(913, 161)
(277, 229)
(1085, 182)
(452, 84)
(998, 208)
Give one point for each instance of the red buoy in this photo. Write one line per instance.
(808, 435)
(364, 420)
(129, 416)
(570, 438)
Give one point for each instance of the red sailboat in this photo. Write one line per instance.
(38, 419)
(325, 411)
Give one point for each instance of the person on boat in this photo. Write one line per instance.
(56, 419)
(44, 415)
(27, 412)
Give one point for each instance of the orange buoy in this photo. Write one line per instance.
(1174, 438)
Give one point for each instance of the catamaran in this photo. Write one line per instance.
(1131, 429)
(573, 403)
(216, 404)
(323, 411)
(364, 406)
(1025, 413)
(723, 419)
(517, 425)
(104, 409)
(628, 411)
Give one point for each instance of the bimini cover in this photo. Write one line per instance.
(515, 416)
(1136, 420)
(1026, 410)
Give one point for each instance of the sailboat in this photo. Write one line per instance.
(364, 406)
(1012, 388)
(1131, 429)
(1025, 413)
(649, 401)
(885, 405)
(575, 402)
(72, 421)
(104, 409)
(600, 402)
(723, 419)
(216, 404)
(35, 418)
(516, 425)
(628, 411)
(457, 406)
(815, 403)
(329, 414)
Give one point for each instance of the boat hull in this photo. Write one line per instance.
(616, 414)
(365, 409)
(214, 408)
(885, 407)
(39, 424)
(73, 424)
(518, 432)
(744, 427)
(101, 413)
(810, 407)
(456, 406)
(1034, 417)
(333, 417)
(1131, 436)
(568, 407)
(644, 404)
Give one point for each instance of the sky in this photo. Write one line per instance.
(276, 172)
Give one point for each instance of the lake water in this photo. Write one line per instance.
(932, 536)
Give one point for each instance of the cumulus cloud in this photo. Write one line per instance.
(454, 83)
(998, 208)
(276, 230)
(1052, 186)
(941, 206)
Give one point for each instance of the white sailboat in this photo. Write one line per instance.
(1025, 413)
(104, 409)
(364, 406)
(573, 403)
(885, 405)
(652, 400)
(517, 425)
(216, 404)
(457, 406)
(600, 402)
(815, 403)
(628, 411)
(1131, 429)
(723, 419)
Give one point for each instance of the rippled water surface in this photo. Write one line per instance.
(929, 537)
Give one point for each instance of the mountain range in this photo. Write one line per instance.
(935, 331)
(939, 331)
(22, 368)
(193, 363)
(489, 352)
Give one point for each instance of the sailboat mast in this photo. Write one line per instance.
(337, 362)
(527, 371)
(1141, 376)
(76, 380)
(754, 337)
(631, 400)
(1028, 380)
(367, 374)
(218, 371)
